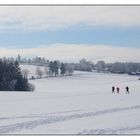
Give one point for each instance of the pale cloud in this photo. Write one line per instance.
(56, 17)
(75, 52)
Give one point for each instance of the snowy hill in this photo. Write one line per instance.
(78, 104)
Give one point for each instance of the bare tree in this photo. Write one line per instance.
(39, 72)
(69, 69)
(25, 73)
(47, 71)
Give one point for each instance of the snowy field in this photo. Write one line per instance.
(80, 104)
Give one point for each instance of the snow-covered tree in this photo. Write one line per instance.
(39, 72)
(25, 73)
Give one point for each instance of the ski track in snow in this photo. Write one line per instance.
(36, 115)
(48, 119)
(110, 131)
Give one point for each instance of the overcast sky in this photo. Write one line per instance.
(69, 33)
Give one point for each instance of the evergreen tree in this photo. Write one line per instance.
(21, 84)
(55, 67)
(11, 78)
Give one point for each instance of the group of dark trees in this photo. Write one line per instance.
(55, 68)
(66, 69)
(11, 78)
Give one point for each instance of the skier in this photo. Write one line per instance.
(118, 89)
(113, 89)
(127, 89)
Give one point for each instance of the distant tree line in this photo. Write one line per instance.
(129, 68)
(118, 67)
(11, 78)
(100, 66)
(54, 68)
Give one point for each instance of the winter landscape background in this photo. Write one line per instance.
(78, 104)
(58, 65)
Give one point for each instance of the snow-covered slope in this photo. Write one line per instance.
(78, 104)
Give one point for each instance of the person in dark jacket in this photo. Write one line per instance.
(118, 89)
(127, 89)
(113, 89)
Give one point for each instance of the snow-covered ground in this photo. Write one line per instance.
(78, 104)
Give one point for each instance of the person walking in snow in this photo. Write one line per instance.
(118, 89)
(127, 89)
(113, 89)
